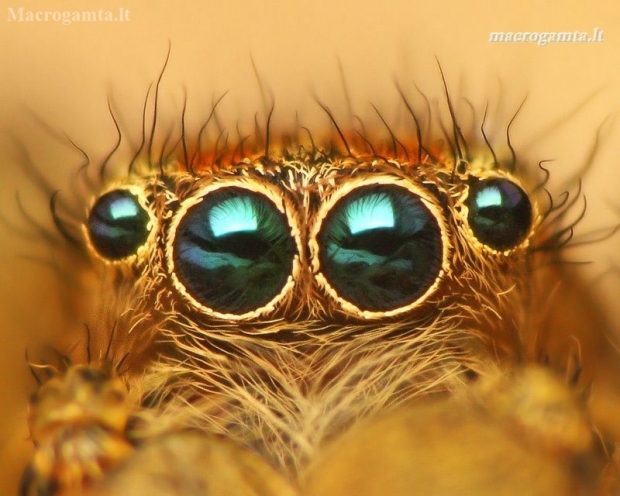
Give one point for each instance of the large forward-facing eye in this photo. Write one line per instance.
(118, 225)
(233, 251)
(500, 213)
(380, 248)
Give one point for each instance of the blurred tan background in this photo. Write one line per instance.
(64, 73)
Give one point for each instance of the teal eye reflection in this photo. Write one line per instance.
(375, 212)
(380, 247)
(233, 215)
(233, 251)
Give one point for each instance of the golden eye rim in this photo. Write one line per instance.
(347, 187)
(280, 201)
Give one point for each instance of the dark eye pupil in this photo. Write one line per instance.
(245, 245)
(381, 248)
(379, 241)
(500, 213)
(233, 251)
(117, 225)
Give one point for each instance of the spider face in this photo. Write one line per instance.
(309, 282)
(279, 297)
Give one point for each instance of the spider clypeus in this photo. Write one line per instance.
(372, 313)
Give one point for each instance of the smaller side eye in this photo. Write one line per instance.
(117, 224)
(500, 213)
